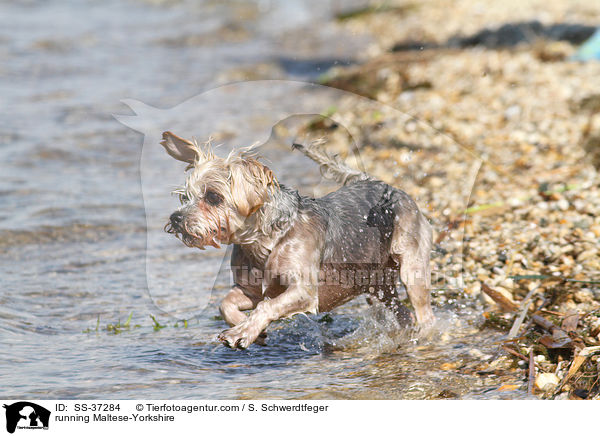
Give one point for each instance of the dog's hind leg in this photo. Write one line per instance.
(410, 248)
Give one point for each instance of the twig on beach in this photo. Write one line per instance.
(505, 304)
(531, 378)
(524, 309)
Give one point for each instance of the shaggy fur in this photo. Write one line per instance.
(294, 254)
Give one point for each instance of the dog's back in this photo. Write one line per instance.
(369, 204)
(360, 221)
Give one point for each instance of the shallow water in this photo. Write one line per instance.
(73, 246)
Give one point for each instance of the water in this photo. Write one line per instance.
(73, 224)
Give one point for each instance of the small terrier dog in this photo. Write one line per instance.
(293, 254)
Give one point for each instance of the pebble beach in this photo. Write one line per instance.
(520, 120)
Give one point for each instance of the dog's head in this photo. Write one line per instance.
(219, 195)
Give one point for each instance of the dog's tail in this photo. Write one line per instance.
(332, 167)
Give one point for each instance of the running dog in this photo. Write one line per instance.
(294, 254)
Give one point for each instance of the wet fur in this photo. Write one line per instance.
(287, 246)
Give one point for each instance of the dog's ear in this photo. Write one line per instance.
(179, 148)
(250, 184)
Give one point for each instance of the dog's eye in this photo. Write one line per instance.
(212, 198)
(183, 198)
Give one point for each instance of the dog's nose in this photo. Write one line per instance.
(176, 218)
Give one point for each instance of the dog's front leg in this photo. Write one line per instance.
(234, 303)
(292, 282)
(296, 299)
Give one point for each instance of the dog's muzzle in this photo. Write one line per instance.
(176, 221)
(177, 226)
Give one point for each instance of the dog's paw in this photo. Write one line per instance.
(241, 336)
(426, 328)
